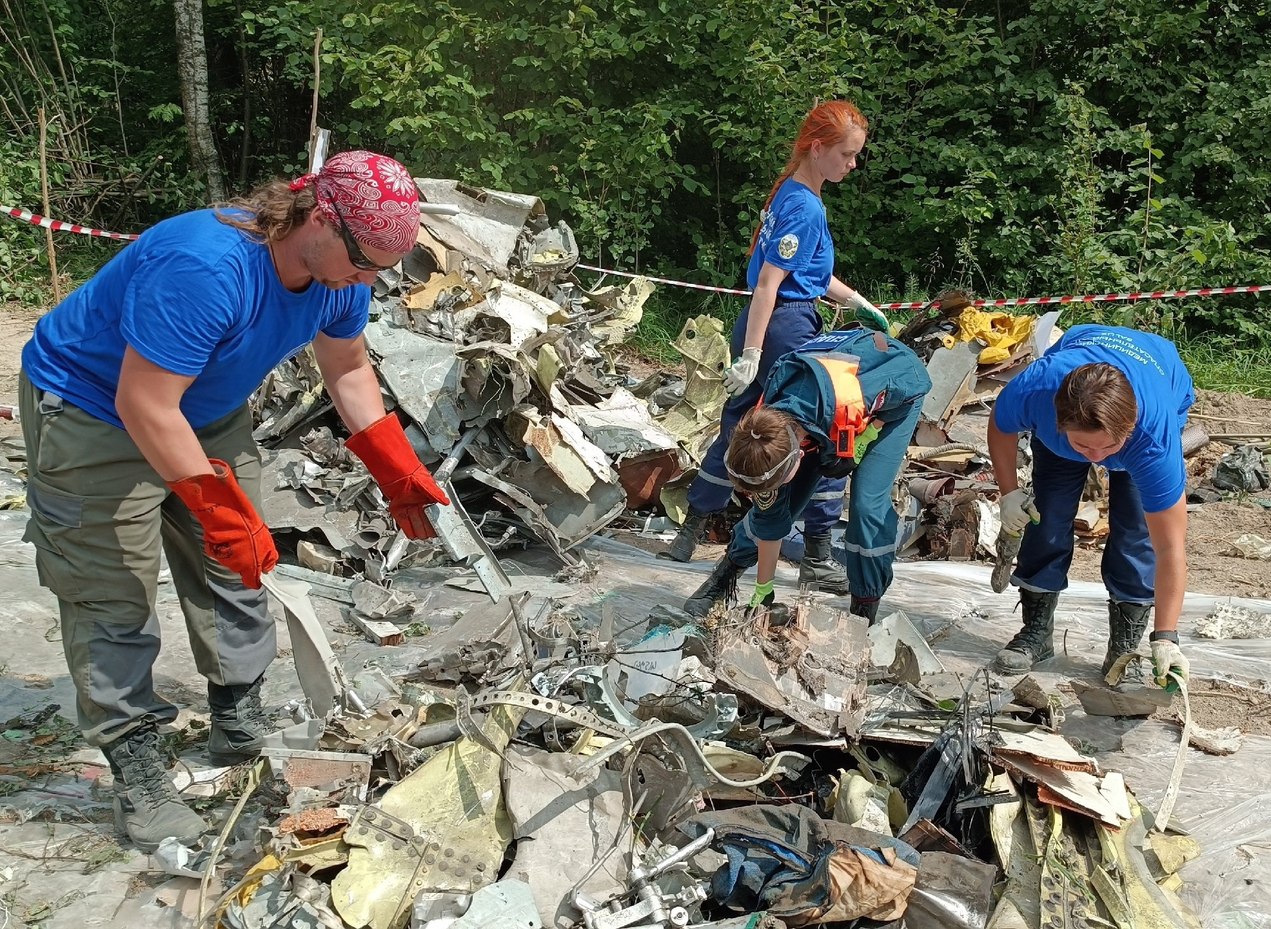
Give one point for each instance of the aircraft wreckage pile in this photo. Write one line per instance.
(558, 764)
(543, 766)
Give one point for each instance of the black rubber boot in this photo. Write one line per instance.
(147, 806)
(239, 722)
(1034, 642)
(819, 569)
(1126, 624)
(718, 588)
(685, 542)
(862, 606)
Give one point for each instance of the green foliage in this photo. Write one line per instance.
(1051, 147)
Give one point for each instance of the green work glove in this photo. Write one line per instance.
(868, 315)
(762, 592)
(865, 438)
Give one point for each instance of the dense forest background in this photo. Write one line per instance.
(1055, 146)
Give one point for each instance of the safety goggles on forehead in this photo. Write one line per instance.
(782, 467)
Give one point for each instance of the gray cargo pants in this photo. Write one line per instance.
(99, 515)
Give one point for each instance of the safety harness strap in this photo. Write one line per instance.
(851, 416)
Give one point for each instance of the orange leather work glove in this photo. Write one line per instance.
(387, 454)
(233, 532)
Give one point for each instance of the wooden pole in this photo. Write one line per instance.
(44, 189)
(313, 115)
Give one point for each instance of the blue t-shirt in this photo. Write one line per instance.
(1153, 455)
(795, 236)
(195, 297)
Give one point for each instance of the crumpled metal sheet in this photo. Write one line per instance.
(494, 379)
(524, 313)
(563, 448)
(489, 222)
(505, 905)
(483, 645)
(564, 821)
(623, 309)
(442, 828)
(952, 892)
(559, 518)
(282, 507)
(295, 900)
(1019, 905)
(812, 670)
(621, 425)
(321, 675)
(290, 394)
(424, 375)
(695, 418)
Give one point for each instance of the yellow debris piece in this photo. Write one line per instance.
(1001, 332)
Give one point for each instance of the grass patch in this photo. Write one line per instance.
(1227, 367)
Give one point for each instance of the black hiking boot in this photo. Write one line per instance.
(718, 588)
(819, 569)
(685, 541)
(1034, 642)
(1126, 624)
(239, 722)
(148, 808)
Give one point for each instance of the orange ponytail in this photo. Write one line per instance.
(828, 123)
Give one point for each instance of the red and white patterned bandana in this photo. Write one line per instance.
(374, 194)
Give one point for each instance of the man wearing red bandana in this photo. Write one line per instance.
(139, 441)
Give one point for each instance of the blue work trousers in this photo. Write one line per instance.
(1129, 561)
(792, 324)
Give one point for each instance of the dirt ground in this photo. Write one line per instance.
(1212, 528)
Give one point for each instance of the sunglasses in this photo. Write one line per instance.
(357, 257)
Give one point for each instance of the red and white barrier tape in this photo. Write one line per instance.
(665, 280)
(1100, 298)
(1004, 301)
(58, 226)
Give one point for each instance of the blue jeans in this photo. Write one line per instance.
(792, 324)
(1129, 561)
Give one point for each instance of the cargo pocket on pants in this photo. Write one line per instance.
(55, 519)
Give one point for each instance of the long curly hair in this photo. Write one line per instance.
(827, 123)
(269, 213)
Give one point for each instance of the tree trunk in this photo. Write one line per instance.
(192, 70)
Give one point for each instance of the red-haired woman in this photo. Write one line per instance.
(791, 267)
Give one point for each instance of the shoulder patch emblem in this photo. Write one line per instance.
(788, 246)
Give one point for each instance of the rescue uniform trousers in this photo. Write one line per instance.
(100, 515)
(870, 538)
(1045, 554)
(793, 323)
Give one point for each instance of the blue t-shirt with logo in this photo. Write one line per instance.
(195, 297)
(794, 235)
(1153, 455)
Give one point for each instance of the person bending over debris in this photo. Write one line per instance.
(844, 404)
(1115, 397)
(139, 438)
(791, 267)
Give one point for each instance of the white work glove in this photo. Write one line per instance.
(868, 315)
(1167, 657)
(1017, 511)
(742, 373)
